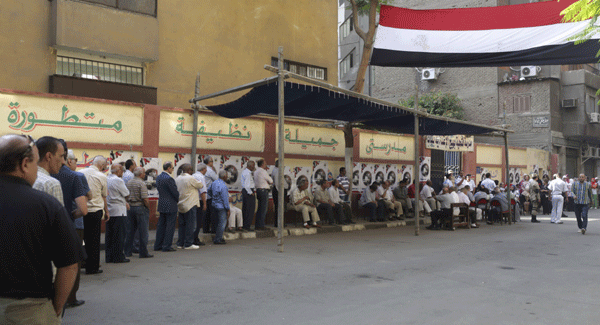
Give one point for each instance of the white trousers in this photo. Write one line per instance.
(235, 214)
(557, 208)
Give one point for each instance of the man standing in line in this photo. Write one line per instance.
(220, 202)
(44, 234)
(52, 155)
(168, 196)
(344, 187)
(97, 211)
(138, 213)
(582, 194)
(262, 182)
(75, 190)
(210, 176)
(129, 167)
(534, 198)
(201, 170)
(248, 197)
(557, 190)
(117, 208)
(189, 201)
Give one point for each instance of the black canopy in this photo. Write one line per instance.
(315, 102)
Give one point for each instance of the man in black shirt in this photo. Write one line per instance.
(35, 230)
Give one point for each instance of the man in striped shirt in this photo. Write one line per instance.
(344, 188)
(582, 194)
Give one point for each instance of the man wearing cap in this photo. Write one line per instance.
(35, 231)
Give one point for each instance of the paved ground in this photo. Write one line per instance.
(520, 274)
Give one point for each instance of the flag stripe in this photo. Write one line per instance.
(567, 53)
(479, 41)
(485, 18)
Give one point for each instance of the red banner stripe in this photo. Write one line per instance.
(484, 18)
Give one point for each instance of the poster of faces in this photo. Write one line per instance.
(380, 173)
(356, 178)
(392, 175)
(367, 175)
(424, 169)
(233, 166)
(153, 168)
(320, 172)
(407, 173)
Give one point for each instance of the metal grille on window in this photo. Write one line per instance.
(452, 161)
(89, 69)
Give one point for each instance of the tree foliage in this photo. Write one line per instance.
(438, 103)
(580, 11)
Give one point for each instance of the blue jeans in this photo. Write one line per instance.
(165, 229)
(263, 204)
(138, 218)
(187, 225)
(221, 222)
(581, 212)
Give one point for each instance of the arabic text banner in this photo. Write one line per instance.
(306, 140)
(214, 132)
(450, 142)
(386, 146)
(72, 120)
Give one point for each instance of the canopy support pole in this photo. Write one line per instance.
(195, 107)
(508, 192)
(281, 176)
(416, 172)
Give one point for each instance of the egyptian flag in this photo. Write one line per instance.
(516, 35)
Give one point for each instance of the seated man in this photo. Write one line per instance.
(422, 205)
(387, 199)
(428, 195)
(495, 211)
(368, 200)
(440, 217)
(464, 198)
(334, 194)
(401, 195)
(324, 204)
(302, 201)
(235, 216)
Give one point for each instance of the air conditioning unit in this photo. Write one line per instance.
(568, 103)
(595, 118)
(529, 71)
(429, 74)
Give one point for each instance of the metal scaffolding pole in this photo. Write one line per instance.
(280, 144)
(195, 107)
(508, 192)
(416, 173)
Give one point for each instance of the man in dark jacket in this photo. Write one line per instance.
(168, 196)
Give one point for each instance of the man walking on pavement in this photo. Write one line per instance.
(582, 194)
(557, 190)
(168, 196)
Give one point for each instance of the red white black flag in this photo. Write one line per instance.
(527, 34)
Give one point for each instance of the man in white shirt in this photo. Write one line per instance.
(428, 195)
(262, 183)
(463, 197)
(248, 195)
(387, 198)
(117, 207)
(52, 155)
(189, 201)
(130, 165)
(441, 216)
(334, 194)
(368, 200)
(488, 183)
(97, 211)
(201, 170)
(286, 187)
(557, 188)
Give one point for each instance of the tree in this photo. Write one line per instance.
(438, 103)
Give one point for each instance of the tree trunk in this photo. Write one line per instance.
(362, 69)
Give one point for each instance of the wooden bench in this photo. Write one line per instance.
(462, 219)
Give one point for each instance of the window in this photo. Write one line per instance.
(90, 69)
(521, 104)
(302, 69)
(146, 7)
(346, 64)
(346, 27)
(591, 104)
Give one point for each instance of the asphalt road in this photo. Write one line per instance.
(520, 274)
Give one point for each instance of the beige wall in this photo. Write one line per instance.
(228, 42)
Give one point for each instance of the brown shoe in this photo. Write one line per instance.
(317, 225)
(307, 226)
